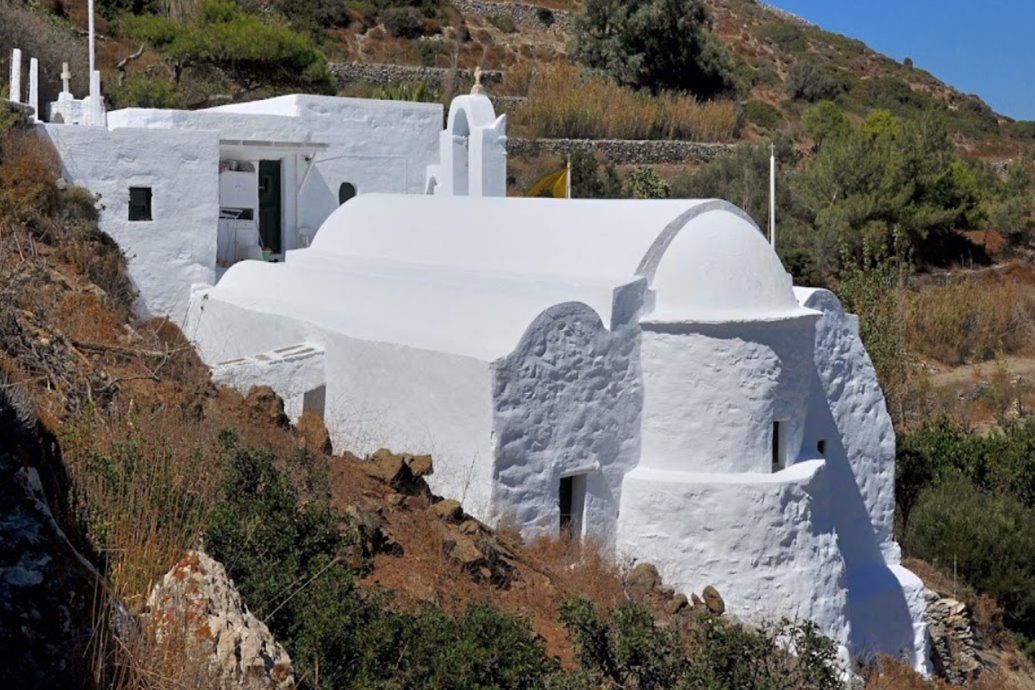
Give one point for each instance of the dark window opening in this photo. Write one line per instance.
(567, 485)
(315, 400)
(346, 191)
(821, 447)
(140, 203)
(778, 463)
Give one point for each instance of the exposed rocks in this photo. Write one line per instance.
(954, 650)
(402, 471)
(266, 405)
(197, 604)
(643, 584)
(449, 510)
(313, 433)
(47, 589)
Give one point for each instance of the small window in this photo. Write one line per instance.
(140, 203)
(346, 191)
(821, 447)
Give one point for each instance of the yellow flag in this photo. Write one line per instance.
(553, 185)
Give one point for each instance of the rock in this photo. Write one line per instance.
(449, 510)
(401, 471)
(713, 600)
(313, 431)
(470, 527)
(197, 605)
(463, 550)
(266, 405)
(420, 589)
(697, 602)
(676, 604)
(642, 580)
(420, 465)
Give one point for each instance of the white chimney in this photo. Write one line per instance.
(16, 76)
(34, 89)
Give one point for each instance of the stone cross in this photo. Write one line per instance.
(65, 77)
(477, 89)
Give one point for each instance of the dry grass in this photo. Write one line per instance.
(564, 101)
(969, 318)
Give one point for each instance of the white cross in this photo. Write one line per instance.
(65, 77)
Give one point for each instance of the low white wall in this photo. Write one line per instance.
(763, 540)
(378, 394)
(178, 246)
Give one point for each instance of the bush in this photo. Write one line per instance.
(986, 537)
(590, 181)
(644, 183)
(419, 92)
(825, 121)
(762, 114)
(256, 50)
(787, 36)
(290, 560)
(653, 44)
(628, 649)
(504, 23)
(810, 81)
(403, 22)
(146, 91)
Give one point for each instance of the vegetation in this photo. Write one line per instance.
(653, 44)
(627, 648)
(567, 102)
(257, 51)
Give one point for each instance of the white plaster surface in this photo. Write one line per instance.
(649, 346)
(178, 247)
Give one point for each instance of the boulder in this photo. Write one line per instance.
(266, 405)
(713, 600)
(642, 580)
(313, 433)
(197, 605)
(449, 510)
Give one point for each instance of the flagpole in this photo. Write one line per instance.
(567, 180)
(772, 195)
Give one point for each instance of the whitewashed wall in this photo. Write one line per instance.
(178, 247)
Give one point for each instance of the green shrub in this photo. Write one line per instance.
(410, 91)
(629, 649)
(590, 180)
(504, 23)
(653, 44)
(257, 51)
(146, 91)
(986, 538)
(545, 16)
(787, 36)
(403, 22)
(825, 121)
(762, 114)
(289, 559)
(644, 183)
(810, 81)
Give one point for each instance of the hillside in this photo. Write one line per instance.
(940, 275)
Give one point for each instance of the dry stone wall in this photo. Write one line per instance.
(532, 16)
(953, 645)
(622, 151)
(380, 74)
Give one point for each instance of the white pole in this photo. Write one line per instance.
(94, 96)
(16, 76)
(567, 180)
(772, 195)
(34, 89)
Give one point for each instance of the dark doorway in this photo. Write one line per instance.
(346, 191)
(269, 206)
(572, 500)
(778, 458)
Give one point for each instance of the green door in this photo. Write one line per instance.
(269, 206)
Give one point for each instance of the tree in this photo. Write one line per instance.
(824, 121)
(256, 50)
(644, 183)
(653, 44)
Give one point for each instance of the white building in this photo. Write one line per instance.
(642, 373)
(639, 372)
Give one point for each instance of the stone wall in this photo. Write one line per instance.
(953, 645)
(532, 16)
(622, 151)
(384, 75)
